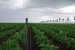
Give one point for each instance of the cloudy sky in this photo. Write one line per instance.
(36, 10)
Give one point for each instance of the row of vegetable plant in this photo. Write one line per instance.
(9, 32)
(15, 42)
(8, 26)
(57, 33)
(42, 41)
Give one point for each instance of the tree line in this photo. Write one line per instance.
(58, 20)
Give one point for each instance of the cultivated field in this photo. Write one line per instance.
(17, 36)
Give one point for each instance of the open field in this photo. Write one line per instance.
(37, 36)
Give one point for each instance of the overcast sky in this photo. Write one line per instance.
(36, 10)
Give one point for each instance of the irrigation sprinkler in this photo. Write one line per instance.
(26, 32)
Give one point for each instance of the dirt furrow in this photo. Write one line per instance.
(31, 41)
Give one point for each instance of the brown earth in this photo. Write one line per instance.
(31, 41)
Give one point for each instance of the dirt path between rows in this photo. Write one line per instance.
(31, 41)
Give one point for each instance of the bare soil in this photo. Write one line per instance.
(31, 41)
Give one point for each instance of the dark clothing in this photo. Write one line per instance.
(26, 20)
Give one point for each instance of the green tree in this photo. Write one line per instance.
(59, 20)
(68, 19)
(63, 20)
(50, 21)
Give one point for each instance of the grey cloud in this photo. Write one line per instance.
(51, 3)
(8, 15)
(12, 15)
(5, 0)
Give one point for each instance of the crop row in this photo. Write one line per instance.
(15, 42)
(42, 41)
(8, 26)
(57, 33)
(9, 32)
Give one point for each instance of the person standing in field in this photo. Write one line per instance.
(26, 20)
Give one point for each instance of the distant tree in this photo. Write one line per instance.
(50, 21)
(56, 20)
(74, 18)
(47, 21)
(63, 20)
(68, 19)
(53, 20)
(59, 20)
(42, 21)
